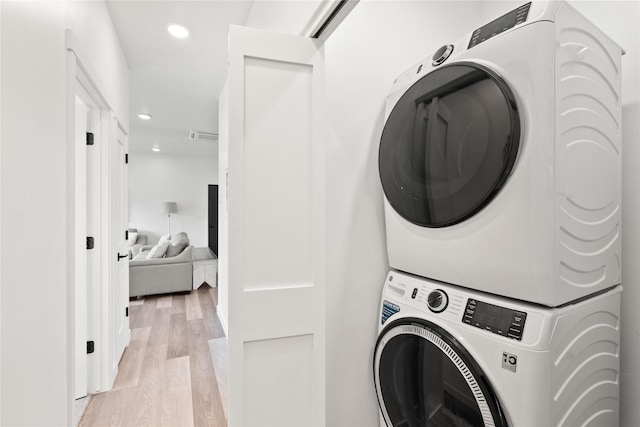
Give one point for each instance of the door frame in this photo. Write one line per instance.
(82, 79)
(117, 288)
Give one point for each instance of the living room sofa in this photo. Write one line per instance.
(136, 241)
(172, 273)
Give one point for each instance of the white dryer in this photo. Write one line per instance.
(500, 159)
(446, 356)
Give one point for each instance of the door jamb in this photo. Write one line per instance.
(81, 74)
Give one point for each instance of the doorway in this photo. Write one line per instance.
(213, 218)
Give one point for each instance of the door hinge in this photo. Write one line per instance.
(90, 347)
(126, 158)
(90, 242)
(89, 138)
(126, 311)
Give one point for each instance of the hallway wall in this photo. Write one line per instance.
(378, 41)
(37, 292)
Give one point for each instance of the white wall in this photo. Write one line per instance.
(223, 216)
(287, 16)
(91, 23)
(373, 45)
(34, 314)
(155, 178)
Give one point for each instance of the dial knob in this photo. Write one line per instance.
(437, 300)
(442, 54)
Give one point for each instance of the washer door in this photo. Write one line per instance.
(424, 377)
(449, 145)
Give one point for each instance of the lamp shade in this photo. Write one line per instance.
(170, 207)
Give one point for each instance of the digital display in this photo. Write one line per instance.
(491, 315)
(497, 26)
(499, 320)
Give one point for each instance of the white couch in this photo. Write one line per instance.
(171, 273)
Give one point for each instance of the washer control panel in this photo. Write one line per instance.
(499, 320)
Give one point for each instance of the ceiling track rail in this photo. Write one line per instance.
(329, 19)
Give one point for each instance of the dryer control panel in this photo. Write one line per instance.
(499, 320)
(500, 25)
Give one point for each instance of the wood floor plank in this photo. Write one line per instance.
(204, 295)
(91, 415)
(213, 327)
(207, 405)
(164, 301)
(178, 339)
(143, 314)
(178, 304)
(115, 409)
(131, 362)
(177, 406)
(160, 327)
(219, 352)
(192, 303)
(149, 390)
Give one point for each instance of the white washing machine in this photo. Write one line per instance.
(500, 159)
(446, 356)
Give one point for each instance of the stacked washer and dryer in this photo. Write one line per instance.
(501, 169)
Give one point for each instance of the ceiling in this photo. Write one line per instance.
(176, 81)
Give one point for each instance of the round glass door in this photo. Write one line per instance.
(449, 145)
(424, 377)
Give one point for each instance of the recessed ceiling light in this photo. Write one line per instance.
(144, 116)
(178, 31)
(156, 149)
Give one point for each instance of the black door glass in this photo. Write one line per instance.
(421, 386)
(449, 145)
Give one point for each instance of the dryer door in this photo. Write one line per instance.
(449, 145)
(424, 377)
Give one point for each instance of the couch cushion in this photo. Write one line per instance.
(177, 244)
(133, 236)
(158, 251)
(164, 238)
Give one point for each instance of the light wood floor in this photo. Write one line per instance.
(173, 373)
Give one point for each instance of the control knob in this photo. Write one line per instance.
(442, 54)
(437, 300)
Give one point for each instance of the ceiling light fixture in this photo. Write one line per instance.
(144, 116)
(156, 149)
(178, 31)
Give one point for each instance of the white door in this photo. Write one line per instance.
(119, 293)
(276, 230)
(81, 275)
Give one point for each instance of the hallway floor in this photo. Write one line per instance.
(173, 373)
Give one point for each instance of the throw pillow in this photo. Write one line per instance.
(177, 244)
(158, 251)
(165, 238)
(132, 238)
